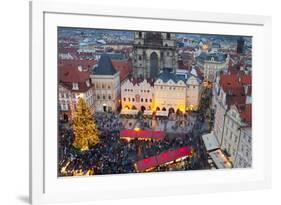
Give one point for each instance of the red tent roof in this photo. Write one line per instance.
(162, 158)
(149, 134)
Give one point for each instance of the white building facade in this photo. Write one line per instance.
(211, 63)
(137, 94)
(106, 83)
(74, 83)
(169, 92)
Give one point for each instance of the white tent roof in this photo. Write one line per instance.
(129, 112)
(148, 112)
(162, 113)
(220, 159)
(210, 141)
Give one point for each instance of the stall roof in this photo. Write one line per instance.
(210, 141)
(220, 159)
(129, 112)
(162, 113)
(162, 158)
(148, 134)
(147, 112)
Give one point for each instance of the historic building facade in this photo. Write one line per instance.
(211, 63)
(74, 82)
(137, 93)
(236, 138)
(106, 82)
(153, 51)
(168, 92)
(233, 111)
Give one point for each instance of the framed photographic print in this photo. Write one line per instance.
(129, 102)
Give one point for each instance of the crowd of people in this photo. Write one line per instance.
(114, 155)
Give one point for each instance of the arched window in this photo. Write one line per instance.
(168, 36)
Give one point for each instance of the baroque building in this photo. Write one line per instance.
(106, 81)
(74, 82)
(154, 51)
(170, 91)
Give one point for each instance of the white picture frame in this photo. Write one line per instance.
(46, 187)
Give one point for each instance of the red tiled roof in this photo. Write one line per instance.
(235, 80)
(69, 73)
(233, 86)
(124, 67)
(245, 112)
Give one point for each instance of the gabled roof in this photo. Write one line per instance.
(105, 66)
(69, 74)
(124, 67)
(166, 75)
(245, 112)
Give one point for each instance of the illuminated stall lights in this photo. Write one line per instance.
(165, 158)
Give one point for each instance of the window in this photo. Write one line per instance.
(133, 99)
(129, 99)
(109, 97)
(168, 36)
(103, 97)
(141, 99)
(139, 57)
(102, 86)
(88, 83)
(98, 97)
(145, 100)
(193, 86)
(150, 100)
(140, 34)
(108, 86)
(75, 86)
(124, 99)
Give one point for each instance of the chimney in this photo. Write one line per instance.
(246, 89)
(80, 68)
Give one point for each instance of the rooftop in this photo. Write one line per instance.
(105, 66)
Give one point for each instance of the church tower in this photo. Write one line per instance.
(154, 51)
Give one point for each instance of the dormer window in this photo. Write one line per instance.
(88, 83)
(75, 86)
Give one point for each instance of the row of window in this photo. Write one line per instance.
(103, 86)
(66, 95)
(131, 90)
(104, 97)
(133, 100)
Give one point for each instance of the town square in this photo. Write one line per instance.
(144, 101)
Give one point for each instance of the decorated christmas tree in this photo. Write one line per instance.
(84, 128)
